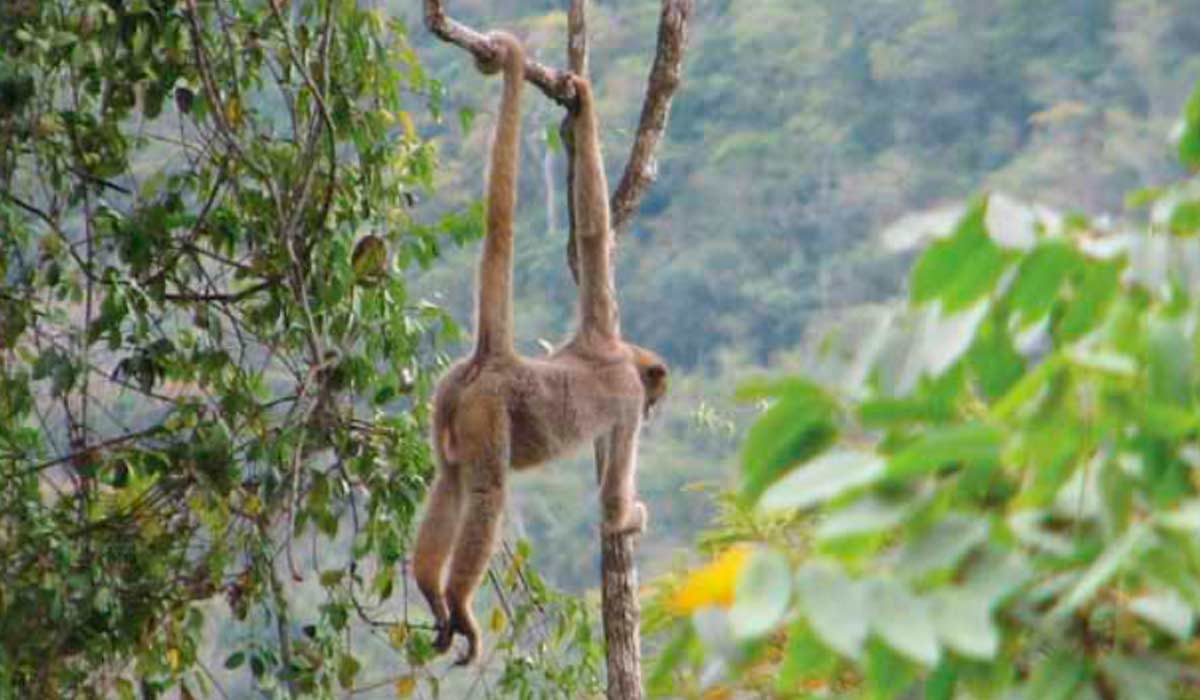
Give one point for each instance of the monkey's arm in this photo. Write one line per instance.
(597, 300)
(618, 488)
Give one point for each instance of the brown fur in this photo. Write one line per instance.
(496, 410)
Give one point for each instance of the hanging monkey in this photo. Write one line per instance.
(496, 410)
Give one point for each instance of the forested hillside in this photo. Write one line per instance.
(803, 128)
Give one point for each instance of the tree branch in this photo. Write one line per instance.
(642, 167)
(551, 81)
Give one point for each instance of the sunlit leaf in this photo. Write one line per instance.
(961, 268)
(822, 478)
(797, 426)
(1166, 611)
(963, 621)
(835, 606)
(941, 546)
(903, 620)
(1103, 568)
(764, 587)
(966, 444)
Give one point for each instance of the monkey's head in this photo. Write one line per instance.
(653, 372)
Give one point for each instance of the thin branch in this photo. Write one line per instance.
(86, 449)
(551, 81)
(642, 167)
(577, 44)
(223, 297)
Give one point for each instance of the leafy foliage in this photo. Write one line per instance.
(210, 354)
(1012, 505)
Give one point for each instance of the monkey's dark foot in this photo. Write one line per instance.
(632, 521)
(472, 652)
(445, 637)
(465, 625)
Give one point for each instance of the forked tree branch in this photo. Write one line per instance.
(642, 166)
(551, 81)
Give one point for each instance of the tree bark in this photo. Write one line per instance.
(622, 617)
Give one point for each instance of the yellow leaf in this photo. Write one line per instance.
(173, 658)
(369, 257)
(497, 622)
(405, 686)
(233, 111)
(252, 504)
(410, 130)
(711, 584)
(397, 635)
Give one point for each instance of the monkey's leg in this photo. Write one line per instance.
(600, 452)
(484, 504)
(618, 495)
(435, 540)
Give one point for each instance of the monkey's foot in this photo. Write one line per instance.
(632, 522)
(444, 638)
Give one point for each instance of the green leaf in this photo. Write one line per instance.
(1185, 219)
(805, 658)
(348, 668)
(799, 425)
(835, 607)
(1094, 291)
(942, 546)
(963, 620)
(1142, 677)
(1041, 276)
(823, 478)
(971, 443)
(1170, 367)
(1143, 197)
(553, 140)
(1103, 568)
(466, 118)
(864, 515)
(961, 268)
(762, 594)
(1189, 142)
(1057, 677)
(235, 659)
(995, 360)
(903, 621)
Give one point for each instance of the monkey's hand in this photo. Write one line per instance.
(631, 520)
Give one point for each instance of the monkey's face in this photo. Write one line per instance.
(653, 372)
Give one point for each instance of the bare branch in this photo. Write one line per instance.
(577, 46)
(551, 81)
(642, 167)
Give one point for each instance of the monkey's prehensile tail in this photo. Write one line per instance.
(495, 308)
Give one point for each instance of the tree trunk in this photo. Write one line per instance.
(622, 617)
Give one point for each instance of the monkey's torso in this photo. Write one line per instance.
(551, 405)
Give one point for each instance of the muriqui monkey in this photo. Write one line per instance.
(495, 409)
